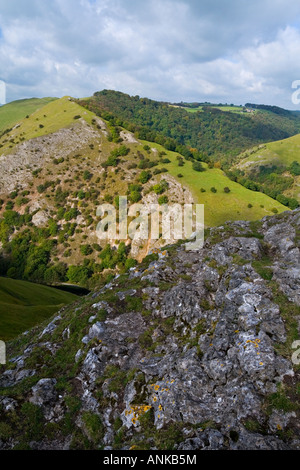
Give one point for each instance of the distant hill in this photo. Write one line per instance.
(217, 135)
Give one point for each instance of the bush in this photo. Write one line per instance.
(161, 187)
(163, 200)
(295, 168)
(87, 176)
(226, 189)
(135, 196)
(145, 176)
(197, 166)
(213, 189)
(71, 214)
(78, 275)
(86, 250)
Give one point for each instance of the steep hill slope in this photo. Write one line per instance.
(63, 161)
(191, 350)
(11, 113)
(275, 158)
(23, 304)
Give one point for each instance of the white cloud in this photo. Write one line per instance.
(234, 51)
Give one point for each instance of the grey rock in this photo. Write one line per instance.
(95, 332)
(44, 393)
(205, 347)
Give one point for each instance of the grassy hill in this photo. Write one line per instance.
(24, 304)
(47, 118)
(63, 161)
(220, 206)
(12, 112)
(279, 158)
(218, 135)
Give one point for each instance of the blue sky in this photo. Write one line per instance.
(233, 51)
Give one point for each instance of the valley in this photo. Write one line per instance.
(61, 162)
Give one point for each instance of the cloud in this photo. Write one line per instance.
(234, 51)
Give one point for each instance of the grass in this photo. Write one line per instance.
(219, 207)
(15, 111)
(24, 304)
(227, 109)
(50, 118)
(282, 152)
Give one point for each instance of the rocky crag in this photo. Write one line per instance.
(191, 350)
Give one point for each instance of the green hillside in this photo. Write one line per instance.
(12, 112)
(74, 161)
(278, 161)
(239, 203)
(218, 135)
(24, 304)
(49, 118)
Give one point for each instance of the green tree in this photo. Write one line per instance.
(197, 166)
(78, 275)
(86, 250)
(145, 176)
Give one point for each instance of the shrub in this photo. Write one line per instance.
(145, 176)
(71, 214)
(295, 168)
(197, 166)
(163, 200)
(86, 250)
(161, 187)
(87, 176)
(78, 274)
(135, 196)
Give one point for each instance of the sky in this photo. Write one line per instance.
(221, 51)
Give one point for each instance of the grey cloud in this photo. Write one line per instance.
(183, 49)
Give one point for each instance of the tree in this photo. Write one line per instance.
(197, 166)
(145, 176)
(78, 275)
(86, 250)
(87, 176)
(295, 168)
(163, 200)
